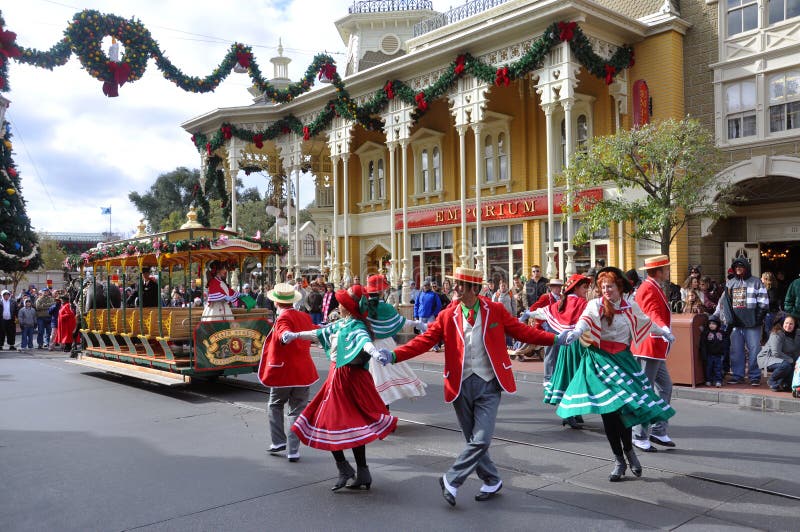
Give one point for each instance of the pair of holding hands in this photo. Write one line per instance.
(384, 356)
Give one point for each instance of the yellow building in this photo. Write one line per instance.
(493, 148)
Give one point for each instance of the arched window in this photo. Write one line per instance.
(309, 245)
(371, 181)
(380, 191)
(488, 157)
(502, 156)
(425, 171)
(437, 169)
(582, 134)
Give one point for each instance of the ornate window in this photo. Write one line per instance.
(373, 173)
(780, 10)
(581, 126)
(309, 245)
(496, 149)
(426, 146)
(742, 15)
(740, 109)
(784, 101)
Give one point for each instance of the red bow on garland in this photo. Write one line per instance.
(501, 78)
(461, 61)
(306, 133)
(7, 49)
(243, 58)
(226, 132)
(389, 90)
(120, 73)
(610, 71)
(566, 30)
(258, 140)
(422, 105)
(208, 148)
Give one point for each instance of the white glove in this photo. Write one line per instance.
(525, 316)
(568, 337)
(669, 337)
(289, 337)
(422, 326)
(384, 356)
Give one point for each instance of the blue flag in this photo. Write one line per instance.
(105, 210)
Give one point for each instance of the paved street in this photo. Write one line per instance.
(90, 451)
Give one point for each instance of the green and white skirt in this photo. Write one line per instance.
(588, 380)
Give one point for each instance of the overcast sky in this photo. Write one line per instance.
(77, 150)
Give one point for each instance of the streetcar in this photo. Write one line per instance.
(169, 345)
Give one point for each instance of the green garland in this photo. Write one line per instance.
(85, 33)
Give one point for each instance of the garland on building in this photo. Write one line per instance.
(19, 246)
(85, 33)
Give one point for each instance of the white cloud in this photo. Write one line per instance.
(77, 150)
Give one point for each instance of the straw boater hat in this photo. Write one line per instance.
(658, 261)
(284, 293)
(556, 282)
(467, 275)
(574, 281)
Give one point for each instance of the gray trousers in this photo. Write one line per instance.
(476, 409)
(657, 374)
(550, 355)
(297, 397)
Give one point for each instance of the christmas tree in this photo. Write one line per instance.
(19, 250)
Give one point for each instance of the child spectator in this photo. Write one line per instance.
(712, 351)
(27, 321)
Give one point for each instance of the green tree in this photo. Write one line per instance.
(664, 174)
(19, 250)
(53, 254)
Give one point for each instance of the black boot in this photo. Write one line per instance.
(346, 472)
(571, 421)
(579, 419)
(363, 479)
(619, 468)
(633, 461)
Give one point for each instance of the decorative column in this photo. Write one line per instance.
(551, 233)
(462, 154)
(288, 211)
(335, 278)
(233, 171)
(567, 104)
(392, 201)
(479, 170)
(297, 223)
(406, 275)
(347, 275)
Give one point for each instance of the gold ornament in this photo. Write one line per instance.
(11, 191)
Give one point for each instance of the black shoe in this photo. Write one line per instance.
(12, 348)
(579, 419)
(446, 494)
(277, 448)
(633, 461)
(619, 469)
(665, 442)
(294, 458)
(486, 495)
(363, 479)
(573, 424)
(346, 472)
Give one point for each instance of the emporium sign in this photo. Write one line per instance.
(527, 206)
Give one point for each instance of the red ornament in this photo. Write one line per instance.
(461, 61)
(610, 71)
(243, 58)
(208, 148)
(389, 90)
(285, 129)
(226, 132)
(11, 171)
(501, 78)
(258, 140)
(566, 30)
(306, 133)
(422, 105)
(8, 47)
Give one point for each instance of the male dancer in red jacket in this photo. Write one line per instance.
(476, 370)
(652, 352)
(287, 369)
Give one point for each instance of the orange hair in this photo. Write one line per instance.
(609, 276)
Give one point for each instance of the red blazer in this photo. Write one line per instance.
(448, 327)
(652, 300)
(543, 301)
(283, 365)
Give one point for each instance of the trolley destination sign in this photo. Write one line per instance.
(526, 206)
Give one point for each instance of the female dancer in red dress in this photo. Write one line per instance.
(347, 412)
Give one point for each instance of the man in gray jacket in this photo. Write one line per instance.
(43, 304)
